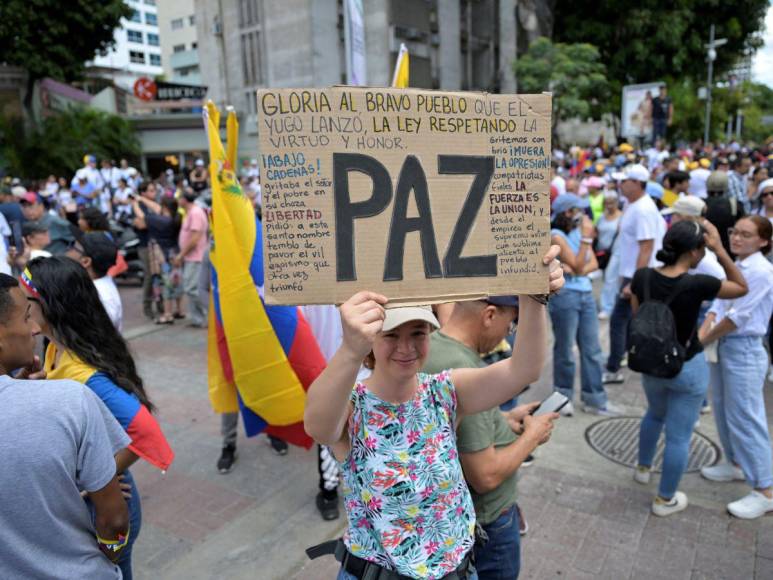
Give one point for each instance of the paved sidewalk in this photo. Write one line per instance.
(587, 517)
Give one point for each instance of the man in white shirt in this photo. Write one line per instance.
(641, 236)
(698, 178)
(97, 252)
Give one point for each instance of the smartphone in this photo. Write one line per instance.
(553, 404)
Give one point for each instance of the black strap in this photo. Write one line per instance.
(323, 549)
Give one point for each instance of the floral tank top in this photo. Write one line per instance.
(408, 504)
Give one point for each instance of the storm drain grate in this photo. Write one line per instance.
(617, 439)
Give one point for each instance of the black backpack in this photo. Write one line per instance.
(653, 348)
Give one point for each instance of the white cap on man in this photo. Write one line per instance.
(637, 172)
(687, 205)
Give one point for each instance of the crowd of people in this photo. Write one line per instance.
(429, 441)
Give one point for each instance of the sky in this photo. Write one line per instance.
(762, 68)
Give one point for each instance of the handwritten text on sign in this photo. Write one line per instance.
(420, 195)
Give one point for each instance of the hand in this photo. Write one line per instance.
(626, 292)
(515, 416)
(539, 428)
(177, 261)
(126, 488)
(586, 227)
(33, 372)
(362, 317)
(556, 279)
(712, 238)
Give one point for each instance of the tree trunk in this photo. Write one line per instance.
(28, 95)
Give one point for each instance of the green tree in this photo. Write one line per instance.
(574, 74)
(57, 146)
(49, 38)
(653, 39)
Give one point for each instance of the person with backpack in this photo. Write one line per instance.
(722, 209)
(664, 347)
(738, 375)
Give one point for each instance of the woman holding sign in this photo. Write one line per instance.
(409, 508)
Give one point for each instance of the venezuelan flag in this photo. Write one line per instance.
(148, 441)
(262, 359)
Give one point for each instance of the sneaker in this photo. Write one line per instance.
(227, 459)
(663, 508)
(530, 458)
(612, 378)
(567, 410)
(608, 410)
(706, 409)
(603, 315)
(277, 445)
(723, 472)
(624, 361)
(751, 507)
(328, 507)
(523, 525)
(642, 474)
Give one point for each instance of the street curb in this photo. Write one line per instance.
(144, 330)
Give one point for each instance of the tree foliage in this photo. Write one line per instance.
(574, 74)
(50, 38)
(653, 39)
(57, 146)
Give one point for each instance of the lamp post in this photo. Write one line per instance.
(711, 56)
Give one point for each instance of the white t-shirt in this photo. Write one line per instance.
(111, 300)
(698, 179)
(710, 266)
(641, 221)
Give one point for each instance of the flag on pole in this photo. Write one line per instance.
(400, 78)
(262, 358)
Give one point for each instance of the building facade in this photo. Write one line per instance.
(137, 49)
(244, 45)
(179, 41)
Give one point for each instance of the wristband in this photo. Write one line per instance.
(588, 241)
(114, 546)
(540, 298)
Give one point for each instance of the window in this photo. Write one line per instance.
(248, 13)
(137, 57)
(192, 20)
(136, 16)
(135, 36)
(152, 39)
(251, 69)
(151, 19)
(155, 59)
(150, 2)
(178, 48)
(177, 23)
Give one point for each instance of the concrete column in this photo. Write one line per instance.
(507, 45)
(450, 51)
(377, 39)
(325, 50)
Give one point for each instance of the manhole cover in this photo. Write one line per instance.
(617, 439)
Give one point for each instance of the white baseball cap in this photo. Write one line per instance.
(687, 205)
(637, 172)
(402, 314)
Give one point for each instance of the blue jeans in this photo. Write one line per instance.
(135, 521)
(574, 318)
(611, 283)
(737, 381)
(674, 404)
(500, 558)
(618, 328)
(344, 575)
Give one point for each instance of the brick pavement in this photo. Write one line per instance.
(587, 518)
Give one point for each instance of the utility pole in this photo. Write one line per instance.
(711, 56)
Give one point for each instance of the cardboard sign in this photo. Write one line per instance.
(422, 196)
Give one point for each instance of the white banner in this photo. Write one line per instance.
(354, 38)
